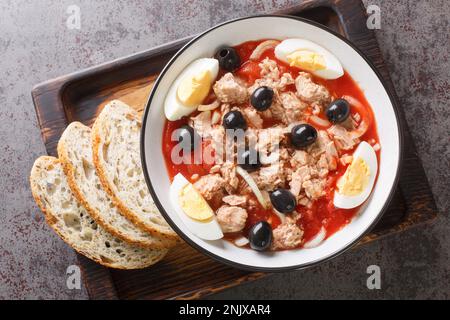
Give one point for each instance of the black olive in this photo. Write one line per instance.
(283, 200)
(187, 133)
(338, 111)
(260, 236)
(249, 160)
(228, 58)
(303, 135)
(234, 120)
(262, 98)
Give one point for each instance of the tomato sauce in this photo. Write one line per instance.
(322, 212)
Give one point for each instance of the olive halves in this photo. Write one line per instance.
(260, 236)
(188, 137)
(228, 58)
(234, 120)
(249, 160)
(262, 98)
(303, 135)
(283, 200)
(338, 111)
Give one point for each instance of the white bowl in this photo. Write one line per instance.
(362, 71)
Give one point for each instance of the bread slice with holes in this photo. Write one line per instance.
(76, 227)
(116, 150)
(75, 153)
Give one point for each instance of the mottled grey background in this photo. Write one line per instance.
(36, 45)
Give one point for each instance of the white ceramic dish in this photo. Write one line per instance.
(275, 27)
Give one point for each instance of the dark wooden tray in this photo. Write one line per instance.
(185, 273)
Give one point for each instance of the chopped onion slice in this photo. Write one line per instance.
(263, 46)
(366, 120)
(319, 121)
(215, 119)
(208, 107)
(354, 102)
(280, 215)
(317, 240)
(241, 241)
(252, 184)
(360, 131)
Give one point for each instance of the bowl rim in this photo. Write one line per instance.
(243, 266)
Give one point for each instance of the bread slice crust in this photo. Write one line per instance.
(75, 153)
(100, 138)
(89, 247)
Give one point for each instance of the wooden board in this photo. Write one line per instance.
(185, 273)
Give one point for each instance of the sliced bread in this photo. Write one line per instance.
(75, 153)
(76, 227)
(116, 150)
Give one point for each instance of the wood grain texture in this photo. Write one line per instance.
(185, 273)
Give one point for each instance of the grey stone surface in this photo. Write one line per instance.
(36, 45)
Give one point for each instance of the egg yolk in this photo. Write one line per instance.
(194, 205)
(193, 90)
(306, 60)
(355, 179)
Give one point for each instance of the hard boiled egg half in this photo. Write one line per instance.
(193, 210)
(190, 88)
(309, 56)
(355, 186)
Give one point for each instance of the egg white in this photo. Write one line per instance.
(173, 108)
(333, 68)
(204, 230)
(366, 152)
